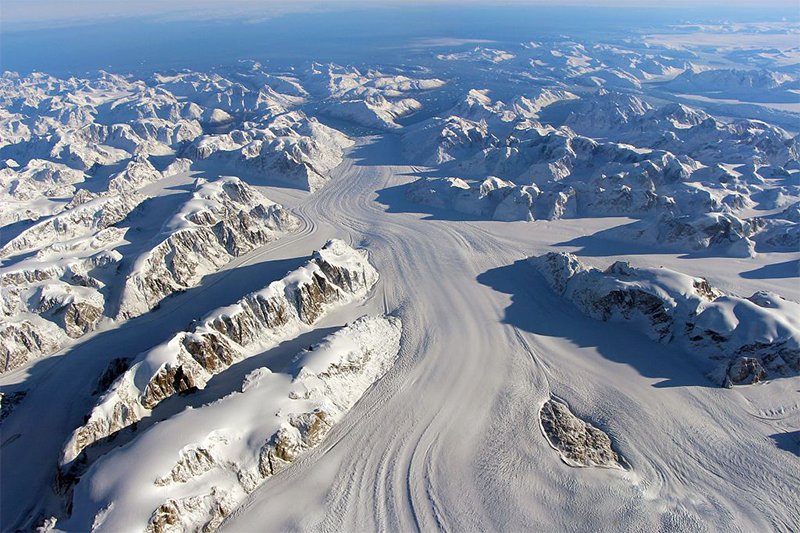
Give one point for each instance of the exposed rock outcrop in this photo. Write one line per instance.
(211, 457)
(579, 443)
(744, 371)
(335, 275)
(752, 338)
(24, 340)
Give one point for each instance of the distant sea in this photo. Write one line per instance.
(139, 45)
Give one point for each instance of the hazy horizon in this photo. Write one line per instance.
(348, 33)
(23, 14)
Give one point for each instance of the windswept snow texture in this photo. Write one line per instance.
(540, 283)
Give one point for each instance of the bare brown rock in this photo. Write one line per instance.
(579, 443)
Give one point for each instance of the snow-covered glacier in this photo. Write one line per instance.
(462, 272)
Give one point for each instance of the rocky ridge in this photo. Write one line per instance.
(335, 275)
(222, 220)
(62, 291)
(214, 462)
(747, 339)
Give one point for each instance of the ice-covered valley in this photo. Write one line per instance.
(517, 286)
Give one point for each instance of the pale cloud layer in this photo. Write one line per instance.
(49, 12)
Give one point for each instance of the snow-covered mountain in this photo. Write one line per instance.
(291, 148)
(63, 290)
(753, 338)
(453, 284)
(334, 276)
(731, 83)
(208, 462)
(372, 98)
(693, 179)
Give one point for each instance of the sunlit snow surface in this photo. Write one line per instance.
(298, 292)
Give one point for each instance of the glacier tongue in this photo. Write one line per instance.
(195, 468)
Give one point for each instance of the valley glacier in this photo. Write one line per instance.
(539, 285)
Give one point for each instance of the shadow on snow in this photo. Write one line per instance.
(535, 308)
(70, 378)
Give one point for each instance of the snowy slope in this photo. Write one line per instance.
(335, 275)
(211, 457)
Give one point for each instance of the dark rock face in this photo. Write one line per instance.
(232, 219)
(284, 447)
(558, 269)
(216, 350)
(167, 382)
(120, 417)
(627, 303)
(9, 401)
(745, 371)
(115, 368)
(243, 327)
(210, 350)
(579, 443)
(311, 297)
(41, 312)
(611, 295)
(776, 357)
